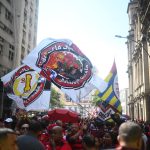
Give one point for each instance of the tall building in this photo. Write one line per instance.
(124, 100)
(18, 31)
(138, 43)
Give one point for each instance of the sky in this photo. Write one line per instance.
(92, 26)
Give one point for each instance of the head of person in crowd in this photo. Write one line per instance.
(59, 123)
(56, 140)
(23, 126)
(7, 139)
(35, 128)
(88, 142)
(44, 123)
(116, 118)
(56, 133)
(8, 123)
(49, 127)
(74, 128)
(107, 140)
(130, 135)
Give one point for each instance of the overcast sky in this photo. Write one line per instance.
(92, 26)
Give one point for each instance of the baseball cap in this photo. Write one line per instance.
(8, 120)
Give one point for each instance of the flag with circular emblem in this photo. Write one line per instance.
(62, 62)
(27, 88)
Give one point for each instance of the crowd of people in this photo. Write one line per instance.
(87, 134)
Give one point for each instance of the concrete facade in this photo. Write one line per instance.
(18, 31)
(139, 59)
(124, 100)
(84, 107)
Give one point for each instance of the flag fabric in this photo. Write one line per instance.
(62, 62)
(111, 94)
(27, 88)
(104, 111)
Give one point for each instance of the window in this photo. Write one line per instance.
(28, 51)
(24, 25)
(10, 32)
(1, 40)
(25, 16)
(11, 52)
(30, 21)
(29, 46)
(25, 19)
(1, 49)
(11, 47)
(34, 41)
(22, 52)
(8, 15)
(9, 1)
(24, 37)
(22, 49)
(29, 36)
(1, 25)
(6, 29)
(26, 3)
(22, 56)
(11, 55)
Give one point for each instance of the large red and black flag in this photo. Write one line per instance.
(62, 62)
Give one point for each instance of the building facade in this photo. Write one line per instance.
(18, 31)
(84, 107)
(139, 59)
(124, 100)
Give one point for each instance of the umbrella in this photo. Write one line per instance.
(64, 115)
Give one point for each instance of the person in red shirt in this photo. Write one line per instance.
(74, 137)
(56, 141)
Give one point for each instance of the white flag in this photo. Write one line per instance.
(69, 69)
(27, 88)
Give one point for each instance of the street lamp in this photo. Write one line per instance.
(139, 43)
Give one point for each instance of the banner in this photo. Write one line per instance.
(104, 111)
(27, 88)
(69, 69)
(111, 94)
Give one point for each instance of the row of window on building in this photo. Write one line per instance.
(11, 49)
(8, 14)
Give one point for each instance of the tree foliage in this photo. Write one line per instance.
(55, 100)
(95, 100)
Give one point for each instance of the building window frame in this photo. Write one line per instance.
(1, 49)
(11, 55)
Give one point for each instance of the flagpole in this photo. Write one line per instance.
(85, 109)
(2, 103)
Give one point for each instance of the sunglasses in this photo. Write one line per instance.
(23, 128)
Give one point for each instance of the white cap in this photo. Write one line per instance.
(8, 120)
